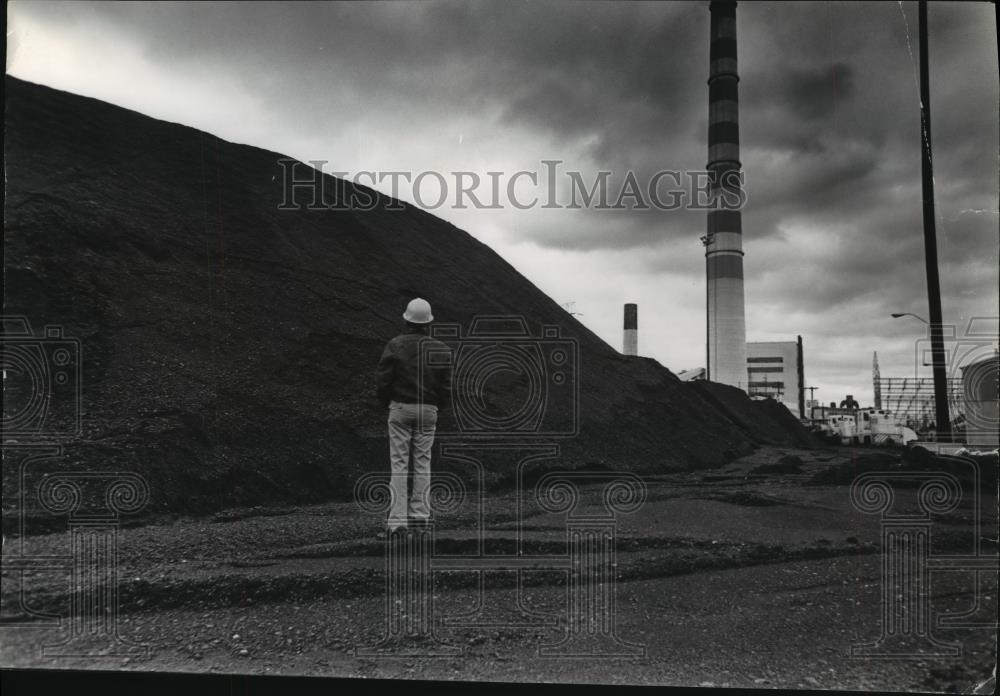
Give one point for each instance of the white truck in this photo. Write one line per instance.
(867, 426)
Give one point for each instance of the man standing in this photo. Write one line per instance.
(414, 380)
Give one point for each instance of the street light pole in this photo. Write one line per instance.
(930, 242)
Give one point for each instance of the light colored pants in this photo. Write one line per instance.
(411, 431)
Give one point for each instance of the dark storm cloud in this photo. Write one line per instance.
(812, 94)
(819, 80)
(511, 52)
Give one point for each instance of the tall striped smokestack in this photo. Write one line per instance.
(727, 348)
(630, 340)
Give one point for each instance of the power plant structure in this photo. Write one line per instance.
(726, 349)
(876, 381)
(630, 336)
(776, 369)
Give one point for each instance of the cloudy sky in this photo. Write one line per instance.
(829, 132)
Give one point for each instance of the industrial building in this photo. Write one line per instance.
(775, 369)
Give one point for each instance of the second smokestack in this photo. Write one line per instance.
(630, 341)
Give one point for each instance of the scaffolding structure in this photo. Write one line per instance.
(912, 398)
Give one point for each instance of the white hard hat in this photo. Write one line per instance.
(418, 311)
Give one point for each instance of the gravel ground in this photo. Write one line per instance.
(728, 579)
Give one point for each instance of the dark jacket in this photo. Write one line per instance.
(415, 369)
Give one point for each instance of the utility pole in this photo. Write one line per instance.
(800, 368)
(943, 421)
(812, 407)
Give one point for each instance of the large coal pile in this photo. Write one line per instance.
(765, 420)
(228, 346)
